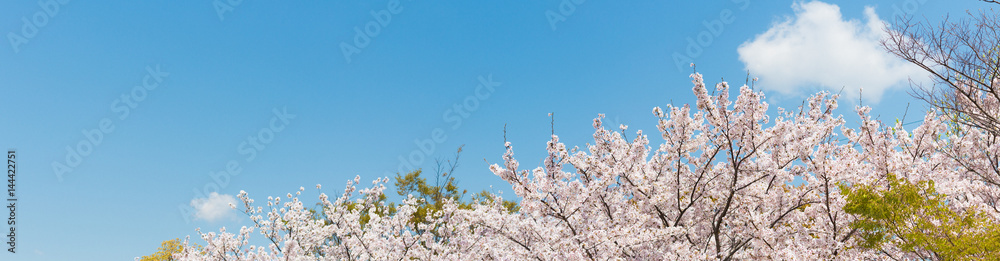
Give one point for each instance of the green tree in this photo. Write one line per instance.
(444, 188)
(915, 218)
(166, 250)
(432, 195)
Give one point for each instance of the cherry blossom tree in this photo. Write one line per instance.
(961, 58)
(728, 182)
(719, 187)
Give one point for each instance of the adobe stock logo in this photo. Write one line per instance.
(248, 148)
(696, 46)
(565, 9)
(225, 6)
(123, 107)
(363, 37)
(454, 116)
(909, 8)
(30, 27)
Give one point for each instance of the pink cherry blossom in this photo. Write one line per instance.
(727, 181)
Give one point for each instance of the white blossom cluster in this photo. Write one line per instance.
(722, 185)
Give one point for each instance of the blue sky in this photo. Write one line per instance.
(202, 90)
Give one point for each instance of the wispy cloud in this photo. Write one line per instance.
(819, 48)
(215, 207)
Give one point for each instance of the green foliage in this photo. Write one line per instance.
(166, 250)
(433, 196)
(915, 218)
(486, 196)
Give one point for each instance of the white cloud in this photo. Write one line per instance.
(818, 47)
(215, 207)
